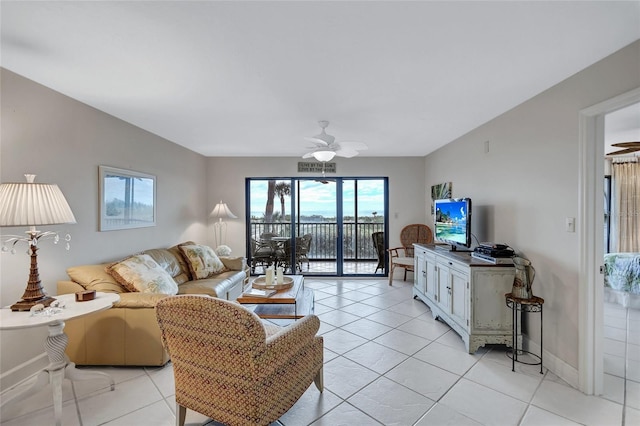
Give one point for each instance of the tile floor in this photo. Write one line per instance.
(387, 361)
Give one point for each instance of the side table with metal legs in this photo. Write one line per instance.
(518, 305)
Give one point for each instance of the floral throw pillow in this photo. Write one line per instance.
(203, 261)
(140, 273)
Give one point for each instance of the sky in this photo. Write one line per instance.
(320, 199)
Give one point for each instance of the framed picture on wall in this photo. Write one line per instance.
(127, 199)
(440, 191)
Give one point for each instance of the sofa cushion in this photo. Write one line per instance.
(172, 262)
(140, 273)
(139, 300)
(94, 277)
(234, 263)
(216, 287)
(202, 260)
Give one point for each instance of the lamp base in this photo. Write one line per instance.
(26, 305)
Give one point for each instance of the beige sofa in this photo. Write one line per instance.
(128, 333)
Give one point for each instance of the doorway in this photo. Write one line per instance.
(314, 226)
(591, 210)
(621, 302)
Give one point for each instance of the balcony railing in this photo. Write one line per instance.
(356, 237)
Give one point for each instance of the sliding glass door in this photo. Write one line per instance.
(364, 210)
(315, 226)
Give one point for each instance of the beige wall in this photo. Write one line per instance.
(63, 141)
(527, 184)
(406, 189)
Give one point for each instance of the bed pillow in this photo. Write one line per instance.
(140, 273)
(202, 260)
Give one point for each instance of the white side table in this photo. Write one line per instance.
(60, 367)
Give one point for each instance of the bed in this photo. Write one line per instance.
(622, 279)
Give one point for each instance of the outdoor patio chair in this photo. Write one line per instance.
(378, 243)
(262, 254)
(303, 247)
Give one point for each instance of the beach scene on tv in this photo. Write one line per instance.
(451, 221)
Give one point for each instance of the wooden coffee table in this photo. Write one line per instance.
(291, 303)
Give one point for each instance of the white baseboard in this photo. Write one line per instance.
(22, 372)
(554, 364)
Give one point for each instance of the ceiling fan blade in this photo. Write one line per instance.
(624, 151)
(308, 155)
(318, 142)
(358, 146)
(346, 152)
(323, 138)
(627, 144)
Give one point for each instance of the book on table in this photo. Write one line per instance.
(254, 292)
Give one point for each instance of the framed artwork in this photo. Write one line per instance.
(440, 191)
(127, 199)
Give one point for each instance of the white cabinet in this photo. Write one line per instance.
(466, 293)
(425, 277)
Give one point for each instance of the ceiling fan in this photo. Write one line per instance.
(325, 147)
(628, 148)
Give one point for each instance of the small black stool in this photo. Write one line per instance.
(524, 305)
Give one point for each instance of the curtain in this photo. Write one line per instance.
(625, 210)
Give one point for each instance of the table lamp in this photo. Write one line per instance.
(33, 204)
(221, 211)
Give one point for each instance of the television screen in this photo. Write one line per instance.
(453, 221)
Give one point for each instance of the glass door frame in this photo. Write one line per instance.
(294, 208)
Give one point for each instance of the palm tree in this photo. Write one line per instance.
(268, 211)
(283, 189)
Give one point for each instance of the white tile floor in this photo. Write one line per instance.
(387, 361)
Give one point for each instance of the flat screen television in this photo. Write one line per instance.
(453, 222)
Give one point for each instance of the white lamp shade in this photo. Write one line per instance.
(324, 155)
(222, 211)
(33, 204)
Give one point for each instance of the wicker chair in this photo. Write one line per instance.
(262, 254)
(230, 367)
(303, 247)
(403, 256)
(378, 243)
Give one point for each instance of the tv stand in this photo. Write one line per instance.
(466, 293)
(458, 249)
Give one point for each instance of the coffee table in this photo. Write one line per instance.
(291, 303)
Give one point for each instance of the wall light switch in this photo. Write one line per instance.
(570, 224)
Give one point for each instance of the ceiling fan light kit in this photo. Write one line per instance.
(324, 155)
(326, 148)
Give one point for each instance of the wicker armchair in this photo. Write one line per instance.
(230, 367)
(403, 256)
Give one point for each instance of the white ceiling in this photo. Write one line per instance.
(253, 78)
